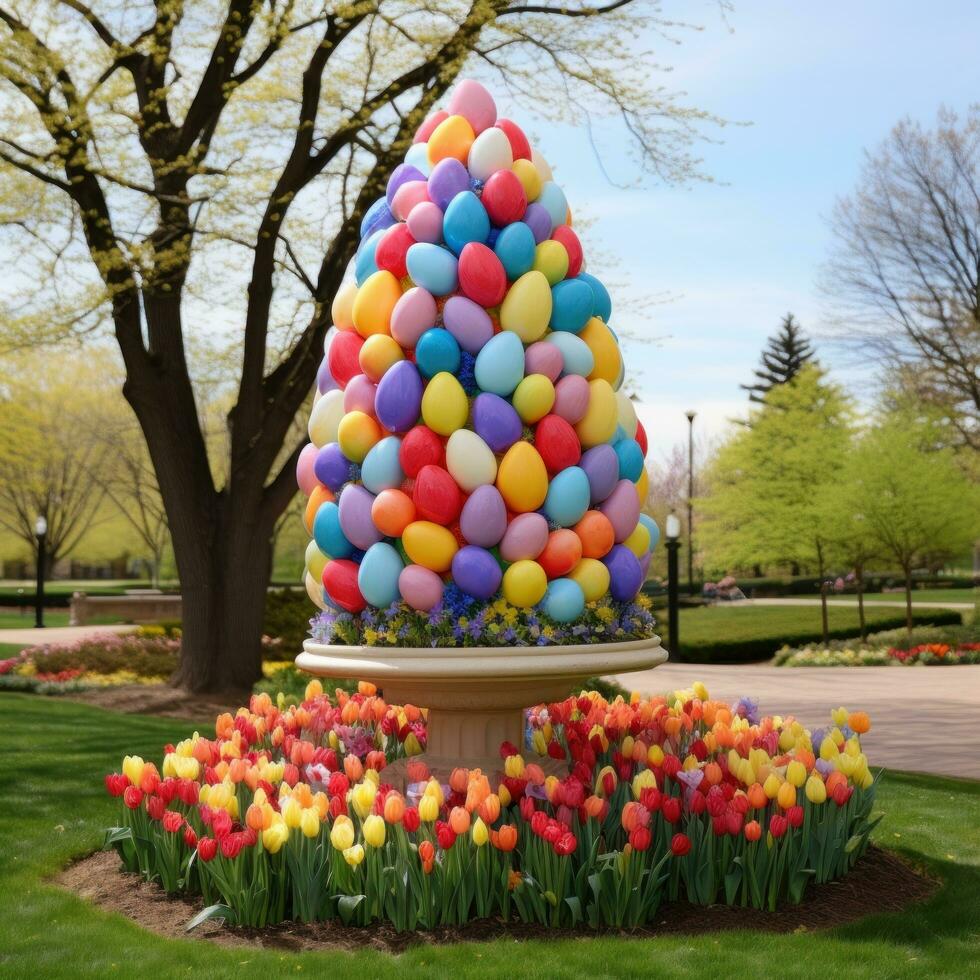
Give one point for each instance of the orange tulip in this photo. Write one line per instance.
(757, 797)
(354, 768)
(712, 773)
(254, 817)
(366, 688)
(752, 830)
(459, 779)
(459, 820)
(489, 809)
(418, 771)
(858, 721)
(504, 839)
(394, 808)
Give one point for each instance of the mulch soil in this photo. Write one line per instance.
(160, 699)
(881, 882)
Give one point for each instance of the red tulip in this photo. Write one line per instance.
(116, 783)
(777, 825)
(539, 821)
(565, 844)
(207, 848)
(680, 845)
(795, 816)
(410, 820)
(445, 835)
(172, 821)
(671, 809)
(155, 807)
(190, 837)
(753, 831)
(640, 838)
(132, 797)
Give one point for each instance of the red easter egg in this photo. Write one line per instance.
(573, 246)
(436, 496)
(519, 145)
(557, 443)
(340, 581)
(641, 437)
(424, 131)
(561, 554)
(392, 249)
(343, 356)
(420, 447)
(504, 198)
(481, 275)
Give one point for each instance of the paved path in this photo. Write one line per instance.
(924, 719)
(852, 603)
(58, 634)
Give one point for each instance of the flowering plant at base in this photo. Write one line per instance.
(286, 814)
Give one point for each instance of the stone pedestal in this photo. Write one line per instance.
(475, 695)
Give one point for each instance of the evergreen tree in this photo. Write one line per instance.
(784, 356)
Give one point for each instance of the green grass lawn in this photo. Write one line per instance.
(55, 754)
(919, 595)
(12, 619)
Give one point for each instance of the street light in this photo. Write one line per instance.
(41, 533)
(690, 501)
(672, 532)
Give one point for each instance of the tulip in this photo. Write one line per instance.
(459, 820)
(640, 838)
(428, 809)
(489, 809)
(479, 833)
(671, 809)
(795, 816)
(757, 797)
(816, 791)
(132, 768)
(786, 797)
(411, 820)
(753, 830)
(310, 823)
(132, 797)
(505, 839)
(445, 835)
(394, 808)
(680, 844)
(275, 836)
(254, 817)
(771, 785)
(427, 851)
(342, 833)
(503, 795)
(172, 821)
(207, 848)
(777, 825)
(459, 779)
(374, 830)
(655, 755)
(858, 721)
(514, 766)
(354, 768)
(644, 780)
(362, 797)
(355, 855)
(796, 773)
(292, 813)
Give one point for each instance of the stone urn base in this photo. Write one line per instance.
(475, 695)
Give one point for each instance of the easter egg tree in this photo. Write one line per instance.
(475, 472)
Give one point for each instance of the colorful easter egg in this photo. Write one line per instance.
(564, 601)
(430, 545)
(557, 443)
(483, 520)
(533, 398)
(470, 461)
(398, 400)
(451, 139)
(445, 406)
(599, 422)
(525, 584)
(375, 301)
(378, 573)
(381, 469)
(392, 511)
(468, 322)
(436, 496)
(522, 478)
(499, 366)
(496, 422)
(592, 577)
(476, 571)
(567, 499)
(420, 587)
(525, 537)
(526, 308)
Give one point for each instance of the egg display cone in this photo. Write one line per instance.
(470, 436)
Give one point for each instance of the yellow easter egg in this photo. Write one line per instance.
(325, 418)
(522, 478)
(430, 545)
(592, 577)
(525, 583)
(529, 177)
(551, 259)
(605, 350)
(445, 406)
(453, 137)
(356, 434)
(626, 413)
(526, 308)
(533, 398)
(316, 560)
(379, 352)
(639, 540)
(314, 589)
(342, 307)
(643, 487)
(371, 312)
(599, 422)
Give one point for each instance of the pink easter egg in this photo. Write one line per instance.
(543, 358)
(414, 313)
(420, 587)
(526, 537)
(425, 223)
(622, 507)
(571, 398)
(472, 101)
(305, 476)
(410, 193)
(359, 395)
(427, 128)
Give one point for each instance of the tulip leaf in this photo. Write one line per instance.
(211, 912)
(347, 906)
(576, 906)
(115, 835)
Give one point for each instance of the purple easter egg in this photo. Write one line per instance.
(497, 423)
(332, 467)
(355, 516)
(476, 571)
(484, 517)
(625, 573)
(359, 395)
(420, 587)
(601, 465)
(425, 222)
(543, 358)
(414, 313)
(324, 379)
(571, 396)
(468, 322)
(536, 217)
(645, 564)
(399, 397)
(403, 173)
(526, 537)
(448, 178)
(622, 507)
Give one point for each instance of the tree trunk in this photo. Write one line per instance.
(908, 598)
(824, 625)
(859, 583)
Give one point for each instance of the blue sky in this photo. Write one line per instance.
(818, 82)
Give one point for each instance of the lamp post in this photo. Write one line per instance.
(672, 532)
(41, 533)
(690, 501)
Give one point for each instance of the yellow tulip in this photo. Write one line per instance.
(839, 716)
(853, 747)
(503, 794)
(374, 830)
(786, 797)
(644, 779)
(362, 797)
(787, 740)
(310, 823)
(796, 773)
(354, 855)
(292, 813)
(828, 749)
(655, 756)
(434, 789)
(816, 791)
(700, 691)
(412, 745)
(374, 776)
(690, 762)
(132, 768)
(428, 809)
(539, 744)
(275, 836)
(313, 690)
(627, 747)
(771, 785)
(342, 833)
(480, 833)
(867, 780)
(514, 766)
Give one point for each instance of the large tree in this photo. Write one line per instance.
(152, 150)
(905, 270)
(785, 354)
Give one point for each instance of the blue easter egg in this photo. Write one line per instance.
(515, 249)
(377, 576)
(571, 305)
(432, 267)
(577, 357)
(602, 305)
(552, 199)
(329, 538)
(364, 264)
(568, 497)
(625, 573)
(377, 218)
(476, 571)
(437, 350)
(564, 601)
(651, 525)
(499, 366)
(466, 221)
(630, 459)
(381, 469)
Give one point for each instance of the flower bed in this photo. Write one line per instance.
(286, 815)
(929, 647)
